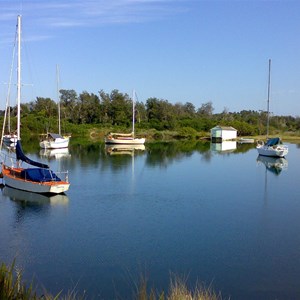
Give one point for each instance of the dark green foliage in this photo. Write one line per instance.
(114, 112)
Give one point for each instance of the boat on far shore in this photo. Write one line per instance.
(246, 141)
(126, 138)
(51, 140)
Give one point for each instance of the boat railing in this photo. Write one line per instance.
(8, 159)
(63, 175)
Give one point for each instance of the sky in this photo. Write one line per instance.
(176, 50)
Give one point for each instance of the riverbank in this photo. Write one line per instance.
(98, 134)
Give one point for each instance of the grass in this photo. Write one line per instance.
(178, 290)
(12, 287)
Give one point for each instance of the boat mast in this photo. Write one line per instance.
(268, 112)
(19, 80)
(133, 111)
(58, 99)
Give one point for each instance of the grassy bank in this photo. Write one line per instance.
(13, 287)
(185, 133)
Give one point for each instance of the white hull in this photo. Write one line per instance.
(57, 144)
(246, 141)
(125, 141)
(274, 151)
(35, 187)
(10, 139)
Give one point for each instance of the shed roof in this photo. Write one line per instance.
(229, 128)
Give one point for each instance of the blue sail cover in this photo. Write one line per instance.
(273, 142)
(39, 175)
(23, 157)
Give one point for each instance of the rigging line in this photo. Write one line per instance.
(7, 105)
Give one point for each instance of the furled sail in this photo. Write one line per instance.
(23, 157)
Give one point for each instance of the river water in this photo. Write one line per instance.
(213, 214)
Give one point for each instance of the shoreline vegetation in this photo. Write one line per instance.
(97, 135)
(13, 287)
(94, 115)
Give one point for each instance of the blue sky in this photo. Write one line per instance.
(181, 50)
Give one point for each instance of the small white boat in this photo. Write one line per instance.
(54, 141)
(10, 139)
(125, 138)
(246, 141)
(273, 147)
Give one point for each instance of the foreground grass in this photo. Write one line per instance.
(12, 287)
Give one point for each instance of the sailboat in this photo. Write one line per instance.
(273, 146)
(39, 179)
(54, 140)
(126, 138)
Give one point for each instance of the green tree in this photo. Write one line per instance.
(206, 109)
(89, 108)
(45, 106)
(68, 103)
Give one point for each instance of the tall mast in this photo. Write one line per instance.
(268, 111)
(58, 99)
(19, 80)
(133, 111)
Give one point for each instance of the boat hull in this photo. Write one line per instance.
(125, 141)
(53, 187)
(273, 151)
(57, 144)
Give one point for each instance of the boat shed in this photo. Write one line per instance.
(223, 133)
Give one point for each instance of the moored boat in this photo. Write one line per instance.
(37, 179)
(273, 146)
(126, 138)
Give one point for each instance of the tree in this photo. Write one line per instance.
(45, 106)
(206, 109)
(68, 102)
(160, 113)
(89, 111)
(121, 108)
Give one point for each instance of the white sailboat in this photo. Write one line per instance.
(39, 179)
(54, 140)
(126, 138)
(273, 146)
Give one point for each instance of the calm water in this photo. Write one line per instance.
(218, 218)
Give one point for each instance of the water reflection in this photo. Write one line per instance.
(29, 199)
(123, 149)
(55, 153)
(273, 164)
(225, 146)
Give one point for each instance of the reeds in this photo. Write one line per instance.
(13, 288)
(178, 290)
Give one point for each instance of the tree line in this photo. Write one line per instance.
(115, 109)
